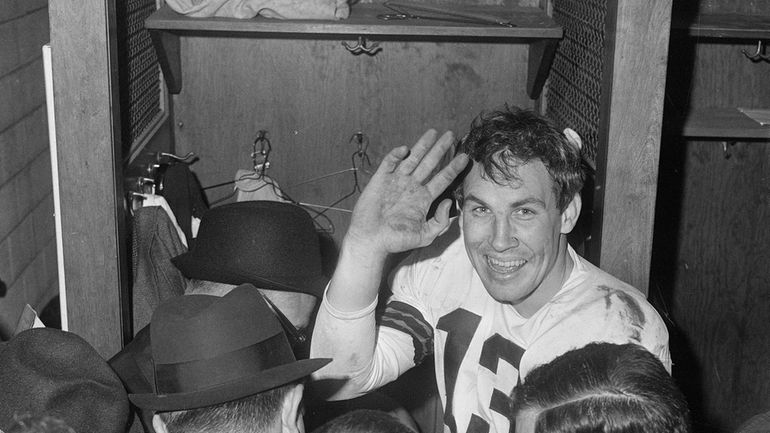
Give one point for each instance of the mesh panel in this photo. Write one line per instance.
(140, 89)
(574, 91)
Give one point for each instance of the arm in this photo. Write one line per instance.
(389, 217)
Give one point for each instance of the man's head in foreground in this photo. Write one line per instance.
(600, 388)
(223, 364)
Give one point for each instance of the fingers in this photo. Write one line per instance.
(434, 156)
(447, 174)
(392, 160)
(419, 150)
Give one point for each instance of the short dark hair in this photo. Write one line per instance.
(503, 140)
(603, 388)
(248, 414)
(364, 421)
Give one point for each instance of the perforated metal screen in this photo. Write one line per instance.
(575, 91)
(140, 86)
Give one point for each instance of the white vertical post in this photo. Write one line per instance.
(48, 72)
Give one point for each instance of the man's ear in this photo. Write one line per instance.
(158, 424)
(291, 411)
(570, 214)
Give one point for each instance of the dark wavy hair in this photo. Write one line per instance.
(503, 140)
(603, 388)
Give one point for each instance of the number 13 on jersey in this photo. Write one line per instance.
(461, 326)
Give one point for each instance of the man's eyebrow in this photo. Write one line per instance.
(529, 201)
(524, 202)
(471, 197)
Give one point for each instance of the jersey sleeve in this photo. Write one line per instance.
(402, 317)
(368, 353)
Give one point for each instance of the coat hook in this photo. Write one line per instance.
(725, 149)
(361, 140)
(361, 47)
(758, 55)
(260, 166)
(189, 156)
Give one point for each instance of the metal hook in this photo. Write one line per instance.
(758, 55)
(143, 182)
(176, 157)
(264, 153)
(360, 47)
(361, 140)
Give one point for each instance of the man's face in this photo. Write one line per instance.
(513, 235)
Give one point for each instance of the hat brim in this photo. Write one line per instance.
(204, 269)
(230, 391)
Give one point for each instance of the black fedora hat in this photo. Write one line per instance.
(49, 372)
(208, 350)
(272, 245)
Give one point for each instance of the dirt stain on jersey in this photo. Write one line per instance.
(628, 308)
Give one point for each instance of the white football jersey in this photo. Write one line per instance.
(482, 347)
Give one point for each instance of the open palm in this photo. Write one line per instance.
(391, 214)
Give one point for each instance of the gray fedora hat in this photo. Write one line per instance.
(208, 350)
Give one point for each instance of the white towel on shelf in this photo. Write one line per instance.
(282, 9)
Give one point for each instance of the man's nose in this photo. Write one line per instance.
(504, 235)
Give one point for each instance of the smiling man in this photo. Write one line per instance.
(492, 293)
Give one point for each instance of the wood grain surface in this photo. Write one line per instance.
(712, 264)
(629, 164)
(90, 170)
(312, 96)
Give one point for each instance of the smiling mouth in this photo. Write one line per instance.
(504, 266)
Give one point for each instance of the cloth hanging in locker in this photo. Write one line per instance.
(184, 194)
(155, 278)
(251, 186)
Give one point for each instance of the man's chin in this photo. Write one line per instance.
(504, 293)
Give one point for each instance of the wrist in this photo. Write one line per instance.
(363, 250)
(356, 279)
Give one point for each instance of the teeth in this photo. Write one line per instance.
(504, 265)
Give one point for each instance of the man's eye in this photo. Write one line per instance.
(524, 212)
(480, 210)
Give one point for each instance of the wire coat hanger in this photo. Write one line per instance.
(358, 159)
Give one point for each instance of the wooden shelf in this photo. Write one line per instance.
(729, 26)
(723, 123)
(532, 26)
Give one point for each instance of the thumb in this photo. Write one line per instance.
(439, 224)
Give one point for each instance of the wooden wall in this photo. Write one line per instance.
(27, 244)
(711, 267)
(312, 96)
(90, 164)
(627, 164)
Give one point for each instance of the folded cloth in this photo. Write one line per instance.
(282, 9)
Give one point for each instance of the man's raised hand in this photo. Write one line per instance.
(390, 216)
